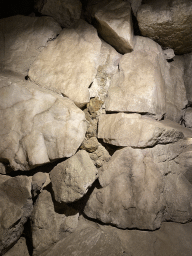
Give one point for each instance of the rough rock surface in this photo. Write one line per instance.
(19, 249)
(140, 188)
(168, 23)
(2, 169)
(16, 207)
(114, 24)
(93, 239)
(188, 75)
(22, 38)
(69, 64)
(3, 178)
(72, 178)
(188, 118)
(50, 224)
(135, 4)
(37, 125)
(136, 131)
(65, 12)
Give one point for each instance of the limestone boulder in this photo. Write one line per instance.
(114, 23)
(38, 126)
(69, 64)
(72, 178)
(66, 12)
(187, 58)
(50, 223)
(16, 206)
(168, 23)
(136, 131)
(19, 249)
(22, 38)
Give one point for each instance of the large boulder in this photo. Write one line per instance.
(16, 206)
(50, 224)
(65, 12)
(69, 64)
(168, 23)
(37, 126)
(22, 38)
(114, 23)
(72, 178)
(136, 131)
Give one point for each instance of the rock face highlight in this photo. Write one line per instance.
(168, 23)
(37, 126)
(68, 66)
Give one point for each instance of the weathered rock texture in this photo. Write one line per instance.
(37, 126)
(132, 130)
(72, 178)
(16, 207)
(188, 118)
(188, 75)
(114, 23)
(65, 12)
(168, 23)
(19, 249)
(22, 38)
(49, 225)
(143, 187)
(69, 64)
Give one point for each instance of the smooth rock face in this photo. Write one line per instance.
(139, 86)
(19, 249)
(22, 38)
(131, 196)
(37, 125)
(50, 225)
(143, 187)
(65, 12)
(69, 64)
(132, 130)
(72, 178)
(188, 75)
(167, 22)
(16, 207)
(114, 24)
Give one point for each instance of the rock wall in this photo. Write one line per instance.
(96, 129)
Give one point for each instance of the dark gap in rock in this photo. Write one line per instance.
(27, 77)
(109, 147)
(170, 60)
(27, 233)
(136, 29)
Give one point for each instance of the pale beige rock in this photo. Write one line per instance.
(187, 132)
(114, 24)
(169, 54)
(72, 178)
(50, 224)
(188, 118)
(132, 193)
(2, 169)
(16, 207)
(3, 178)
(22, 38)
(187, 58)
(38, 126)
(108, 66)
(132, 130)
(168, 23)
(100, 156)
(69, 64)
(65, 12)
(19, 249)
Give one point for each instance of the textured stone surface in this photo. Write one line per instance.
(2, 169)
(132, 130)
(140, 188)
(100, 156)
(37, 126)
(16, 207)
(135, 4)
(168, 23)
(69, 64)
(22, 38)
(188, 118)
(49, 224)
(3, 178)
(65, 12)
(188, 75)
(19, 249)
(114, 24)
(72, 178)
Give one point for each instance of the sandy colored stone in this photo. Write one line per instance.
(72, 178)
(38, 126)
(19, 249)
(65, 12)
(168, 23)
(188, 118)
(22, 38)
(114, 24)
(16, 207)
(90, 145)
(50, 224)
(187, 58)
(2, 169)
(132, 130)
(69, 64)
